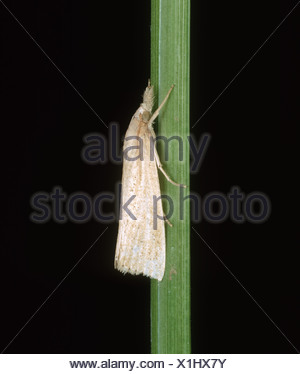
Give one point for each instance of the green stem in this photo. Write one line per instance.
(170, 53)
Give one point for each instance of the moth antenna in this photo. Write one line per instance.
(156, 113)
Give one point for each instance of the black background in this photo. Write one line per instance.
(103, 49)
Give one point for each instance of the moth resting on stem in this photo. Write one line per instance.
(141, 243)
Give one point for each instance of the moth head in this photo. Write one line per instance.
(148, 98)
(146, 116)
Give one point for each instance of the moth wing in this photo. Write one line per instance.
(141, 237)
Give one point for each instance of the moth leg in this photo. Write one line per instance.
(151, 120)
(156, 113)
(159, 165)
(168, 222)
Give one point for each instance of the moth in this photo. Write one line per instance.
(141, 242)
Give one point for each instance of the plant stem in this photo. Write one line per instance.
(170, 54)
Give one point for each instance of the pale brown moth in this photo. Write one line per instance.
(141, 243)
